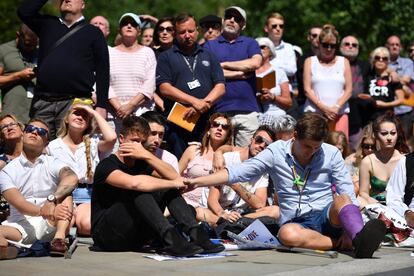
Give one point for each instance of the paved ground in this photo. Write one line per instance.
(264, 262)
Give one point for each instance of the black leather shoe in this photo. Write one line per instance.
(176, 245)
(201, 238)
(369, 238)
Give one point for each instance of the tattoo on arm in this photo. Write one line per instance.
(67, 183)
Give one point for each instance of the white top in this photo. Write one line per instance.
(272, 108)
(396, 189)
(229, 199)
(35, 181)
(132, 73)
(76, 161)
(328, 83)
(285, 58)
(168, 157)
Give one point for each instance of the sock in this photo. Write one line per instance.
(351, 220)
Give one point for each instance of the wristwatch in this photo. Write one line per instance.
(51, 198)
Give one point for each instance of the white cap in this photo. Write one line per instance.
(133, 16)
(239, 10)
(265, 41)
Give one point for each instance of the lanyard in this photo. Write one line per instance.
(300, 184)
(194, 65)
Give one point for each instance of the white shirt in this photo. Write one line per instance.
(229, 199)
(76, 161)
(285, 58)
(167, 157)
(396, 189)
(35, 181)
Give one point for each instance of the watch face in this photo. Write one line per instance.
(51, 198)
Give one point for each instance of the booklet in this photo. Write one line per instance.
(267, 81)
(176, 117)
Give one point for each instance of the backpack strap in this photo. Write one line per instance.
(409, 186)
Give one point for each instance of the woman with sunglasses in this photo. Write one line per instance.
(383, 90)
(132, 74)
(327, 82)
(376, 168)
(197, 160)
(11, 143)
(77, 146)
(366, 146)
(275, 101)
(163, 35)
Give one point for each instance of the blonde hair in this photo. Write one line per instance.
(381, 51)
(275, 15)
(14, 119)
(367, 133)
(328, 32)
(338, 137)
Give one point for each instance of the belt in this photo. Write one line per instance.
(54, 97)
(84, 185)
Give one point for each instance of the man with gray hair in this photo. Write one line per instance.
(102, 23)
(360, 69)
(284, 126)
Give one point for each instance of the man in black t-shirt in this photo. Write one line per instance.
(130, 192)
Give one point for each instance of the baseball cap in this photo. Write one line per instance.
(239, 10)
(264, 41)
(131, 15)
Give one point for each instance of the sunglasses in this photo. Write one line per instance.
(411, 50)
(126, 22)
(9, 125)
(39, 130)
(216, 124)
(274, 26)
(263, 47)
(378, 58)
(329, 45)
(214, 26)
(84, 101)
(259, 140)
(314, 35)
(167, 29)
(355, 45)
(237, 17)
(368, 146)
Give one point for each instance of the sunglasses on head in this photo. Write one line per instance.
(379, 58)
(216, 124)
(237, 17)
(39, 130)
(274, 26)
(368, 146)
(126, 22)
(84, 101)
(329, 45)
(355, 45)
(167, 29)
(9, 125)
(259, 140)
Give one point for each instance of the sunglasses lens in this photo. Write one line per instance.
(40, 131)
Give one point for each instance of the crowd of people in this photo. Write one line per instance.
(309, 152)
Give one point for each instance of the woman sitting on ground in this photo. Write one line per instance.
(338, 139)
(79, 148)
(377, 167)
(197, 161)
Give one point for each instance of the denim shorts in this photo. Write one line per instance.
(82, 195)
(319, 222)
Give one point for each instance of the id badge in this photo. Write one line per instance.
(193, 84)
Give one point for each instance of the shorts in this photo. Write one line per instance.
(82, 195)
(319, 222)
(32, 229)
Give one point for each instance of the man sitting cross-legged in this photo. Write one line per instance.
(38, 188)
(304, 169)
(128, 201)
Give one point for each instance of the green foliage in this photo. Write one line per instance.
(372, 21)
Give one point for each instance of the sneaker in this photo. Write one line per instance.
(58, 248)
(369, 238)
(8, 252)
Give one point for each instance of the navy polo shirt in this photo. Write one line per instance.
(240, 94)
(172, 68)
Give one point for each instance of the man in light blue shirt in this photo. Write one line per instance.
(307, 174)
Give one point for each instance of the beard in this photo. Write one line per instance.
(350, 54)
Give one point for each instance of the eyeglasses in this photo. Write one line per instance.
(347, 44)
(314, 35)
(368, 146)
(379, 58)
(214, 26)
(84, 101)
(329, 45)
(167, 29)
(259, 140)
(39, 130)
(274, 26)
(9, 125)
(126, 22)
(216, 124)
(237, 17)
